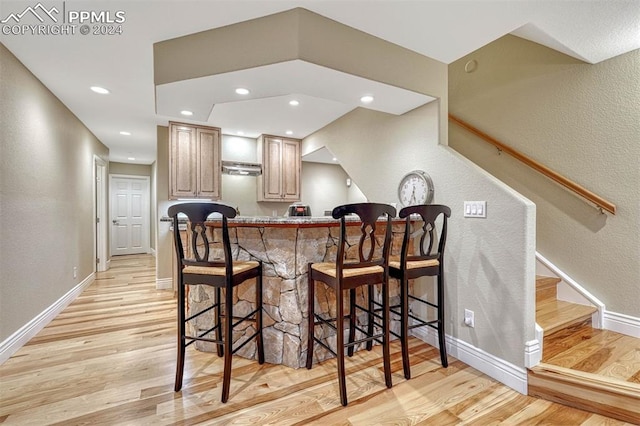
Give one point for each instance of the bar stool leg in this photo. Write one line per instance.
(259, 341)
(404, 326)
(385, 326)
(181, 338)
(371, 308)
(311, 319)
(228, 341)
(218, 319)
(352, 320)
(340, 347)
(441, 336)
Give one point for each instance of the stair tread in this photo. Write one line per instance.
(542, 281)
(553, 315)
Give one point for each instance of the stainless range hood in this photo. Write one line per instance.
(239, 168)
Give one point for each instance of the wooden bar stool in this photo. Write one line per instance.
(424, 262)
(222, 272)
(364, 263)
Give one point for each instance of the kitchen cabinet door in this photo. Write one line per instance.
(281, 165)
(194, 161)
(290, 170)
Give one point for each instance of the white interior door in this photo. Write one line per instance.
(129, 214)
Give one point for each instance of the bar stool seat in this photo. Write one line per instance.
(237, 267)
(331, 270)
(394, 262)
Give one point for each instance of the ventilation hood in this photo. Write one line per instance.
(239, 168)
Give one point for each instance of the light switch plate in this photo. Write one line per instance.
(475, 209)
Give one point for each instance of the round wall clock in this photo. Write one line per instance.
(415, 188)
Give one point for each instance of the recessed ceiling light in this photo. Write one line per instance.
(242, 91)
(335, 159)
(294, 103)
(131, 158)
(100, 90)
(366, 99)
(125, 133)
(289, 132)
(187, 113)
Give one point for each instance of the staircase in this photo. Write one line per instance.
(567, 329)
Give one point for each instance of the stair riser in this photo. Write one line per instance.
(546, 293)
(568, 324)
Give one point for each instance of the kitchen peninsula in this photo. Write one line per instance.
(285, 245)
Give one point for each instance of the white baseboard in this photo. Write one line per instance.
(533, 349)
(620, 323)
(33, 327)
(164, 283)
(152, 251)
(494, 367)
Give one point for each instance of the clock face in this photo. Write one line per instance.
(415, 188)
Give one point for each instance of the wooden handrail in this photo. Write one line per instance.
(551, 174)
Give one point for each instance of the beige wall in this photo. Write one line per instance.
(116, 168)
(324, 186)
(490, 262)
(579, 119)
(46, 197)
(163, 235)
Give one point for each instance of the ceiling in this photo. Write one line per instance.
(445, 30)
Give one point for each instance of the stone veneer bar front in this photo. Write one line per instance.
(285, 246)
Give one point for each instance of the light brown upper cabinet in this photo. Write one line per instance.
(281, 165)
(194, 161)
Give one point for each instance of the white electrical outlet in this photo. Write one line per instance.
(469, 319)
(475, 209)
(75, 272)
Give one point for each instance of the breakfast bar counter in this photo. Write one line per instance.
(285, 245)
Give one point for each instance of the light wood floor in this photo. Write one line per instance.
(109, 359)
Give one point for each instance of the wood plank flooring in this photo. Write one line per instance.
(109, 359)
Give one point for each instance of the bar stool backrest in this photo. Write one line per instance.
(197, 214)
(372, 249)
(428, 215)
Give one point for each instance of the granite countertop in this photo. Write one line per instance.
(282, 222)
(266, 219)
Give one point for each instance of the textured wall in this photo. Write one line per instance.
(116, 168)
(324, 186)
(46, 197)
(579, 119)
